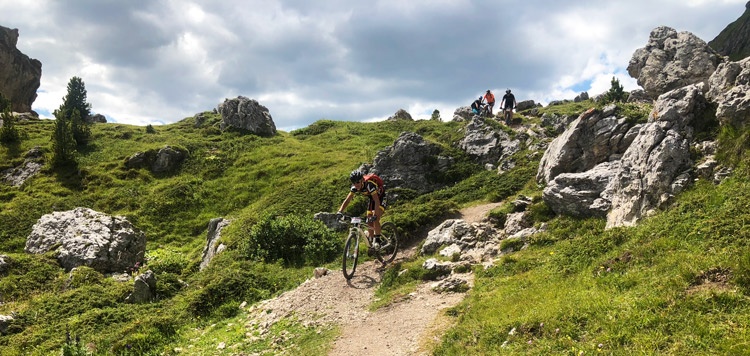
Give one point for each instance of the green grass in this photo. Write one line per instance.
(577, 286)
(623, 291)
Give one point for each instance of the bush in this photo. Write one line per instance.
(166, 261)
(293, 239)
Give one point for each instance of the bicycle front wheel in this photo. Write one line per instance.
(388, 250)
(351, 253)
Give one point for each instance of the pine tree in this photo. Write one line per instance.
(615, 93)
(8, 131)
(436, 115)
(63, 143)
(74, 101)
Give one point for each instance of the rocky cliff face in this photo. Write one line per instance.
(734, 40)
(19, 75)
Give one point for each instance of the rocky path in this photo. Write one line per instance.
(410, 325)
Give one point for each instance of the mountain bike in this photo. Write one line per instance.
(485, 111)
(385, 253)
(508, 115)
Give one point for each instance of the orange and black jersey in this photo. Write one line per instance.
(369, 189)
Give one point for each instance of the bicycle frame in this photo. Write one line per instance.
(384, 253)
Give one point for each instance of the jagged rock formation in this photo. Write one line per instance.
(20, 75)
(594, 137)
(213, 247)
(734, 40)
(484, 144)
(729, 87)
(246, 114)
(84, 237)
(401, 114)
(411, 163)
(655, 167)
(672, 60)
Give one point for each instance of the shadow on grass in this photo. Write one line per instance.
(69, 175)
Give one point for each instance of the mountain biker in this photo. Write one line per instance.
(508, 104)
(490, 98)
(370, 185)
(476, 106)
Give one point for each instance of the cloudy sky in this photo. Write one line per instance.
(159, 61)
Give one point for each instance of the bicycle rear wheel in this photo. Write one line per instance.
(351, 254)
(389, 236)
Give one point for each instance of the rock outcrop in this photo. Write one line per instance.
(672, 60)
(20, 76)
(164, 160)
(84, 237)
(729, 88)
(411, 163)
(213, 247)
(246, 114)
(656, 165)
(31, 165)
(401, 114)
(144, 289)
(593, 138)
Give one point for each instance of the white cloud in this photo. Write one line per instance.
(164, 60)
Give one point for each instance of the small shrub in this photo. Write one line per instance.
(293, 239)
(511, 244)
(316, 128)
(150, 129)
(166, 261)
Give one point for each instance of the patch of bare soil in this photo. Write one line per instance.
(409, 326)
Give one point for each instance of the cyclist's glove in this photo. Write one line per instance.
(339, 215)
(372, 218)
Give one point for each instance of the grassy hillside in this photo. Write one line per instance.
(674, 285)
(251, 180)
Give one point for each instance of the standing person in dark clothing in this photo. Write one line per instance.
(508, 104)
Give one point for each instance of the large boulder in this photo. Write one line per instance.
(729, 88)
(246, 114)
(596, 136)
(20, 76)
(84, 237)
(653, 169)
(164, 160)
(672, 60)
(412, 163)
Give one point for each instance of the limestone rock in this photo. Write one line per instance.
(212, 247)
(671, 60)
(248, 115)
(84, 237)
(20, 76)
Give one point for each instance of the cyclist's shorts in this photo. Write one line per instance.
(475, 111)
(383, 203)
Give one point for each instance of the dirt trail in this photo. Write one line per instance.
(409, 326)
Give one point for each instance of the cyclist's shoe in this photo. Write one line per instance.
(377, 242)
